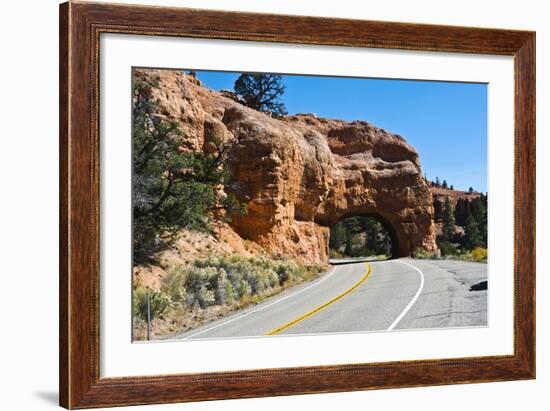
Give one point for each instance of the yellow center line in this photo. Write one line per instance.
(323, 306)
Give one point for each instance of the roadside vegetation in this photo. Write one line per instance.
(469, 243)
(478, 255)
(210, 288)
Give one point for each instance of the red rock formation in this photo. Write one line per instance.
(299, 175)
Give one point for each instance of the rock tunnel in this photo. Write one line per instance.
(387, 230)
(311, 173)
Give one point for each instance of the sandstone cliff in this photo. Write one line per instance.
(301, 174)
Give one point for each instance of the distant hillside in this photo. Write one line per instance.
(461, 200)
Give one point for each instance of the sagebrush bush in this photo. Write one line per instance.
(160, 302)
(288, 270)
(422, 253)
(219, 280)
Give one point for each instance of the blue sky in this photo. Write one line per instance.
(445, 121)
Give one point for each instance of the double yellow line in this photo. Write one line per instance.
(323, 306)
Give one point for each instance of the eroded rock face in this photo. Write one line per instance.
(299, 175)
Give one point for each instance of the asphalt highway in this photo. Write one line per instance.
(362, 295)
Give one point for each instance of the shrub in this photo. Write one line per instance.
(201, 286)
(223, 289)
(160, 302)
(447, 249)
(287, 270)
(479, 254)
(260, 279)
(175, 284)
(332, 253)
(420, 252)
(241, 287)
(423, 254)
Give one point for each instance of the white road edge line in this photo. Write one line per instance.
(411, 303)
(238, 317)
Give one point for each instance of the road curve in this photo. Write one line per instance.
(367, 296)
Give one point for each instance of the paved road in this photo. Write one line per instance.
(367, 296)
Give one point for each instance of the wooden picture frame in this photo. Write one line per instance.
(80, 27)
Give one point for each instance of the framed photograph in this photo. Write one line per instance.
(259, 205)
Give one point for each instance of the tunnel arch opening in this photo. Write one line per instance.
(363, 235)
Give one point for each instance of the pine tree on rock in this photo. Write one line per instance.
(172, 190)
(262, 92)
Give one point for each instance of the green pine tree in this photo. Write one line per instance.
(448, 221)
(338, 237)
(171, 189)
(472, 234)
(262, 92)
(353, 227)
(360, 236)
(479, 213)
